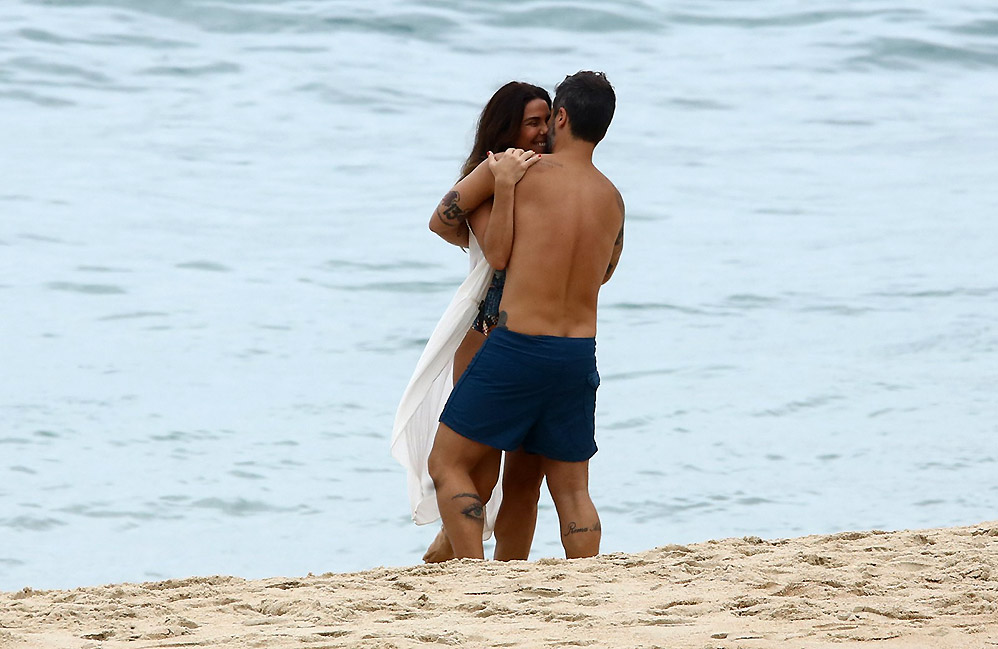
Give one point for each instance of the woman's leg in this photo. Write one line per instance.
(440, 549)
(521, 488)
(466, 351)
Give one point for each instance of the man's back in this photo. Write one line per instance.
(567, 218)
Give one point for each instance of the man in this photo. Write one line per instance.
(533, 384)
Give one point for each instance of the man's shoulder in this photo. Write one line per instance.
(618, 197)
(612, 193)
(540, 175)
(546, 165)
(605, 182)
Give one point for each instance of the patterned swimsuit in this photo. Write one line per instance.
(488, 310)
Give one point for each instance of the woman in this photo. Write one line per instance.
(515, 117)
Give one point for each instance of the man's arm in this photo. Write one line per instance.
(449, 220)
(618, 245)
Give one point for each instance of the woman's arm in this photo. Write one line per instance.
(478, 222)
(508, 170)
(449, 220)
(498, 244)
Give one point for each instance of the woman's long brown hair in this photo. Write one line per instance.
(499, 125)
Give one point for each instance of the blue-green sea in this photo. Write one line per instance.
(216, 276)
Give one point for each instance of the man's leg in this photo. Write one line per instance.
(485, 476)
(521, 488)
(452, 462)
(440, 548)
(580, 526)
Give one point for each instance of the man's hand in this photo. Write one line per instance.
(509, 167)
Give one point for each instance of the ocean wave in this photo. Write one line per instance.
(577, 18)
(231, 17)
(791, 19)
(430, 21)
(985, 27)
(86, 289)
(37, 99)
(914, 53)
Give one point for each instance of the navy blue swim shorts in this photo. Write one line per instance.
(538, 392)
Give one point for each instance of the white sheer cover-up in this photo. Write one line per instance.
(432, 381)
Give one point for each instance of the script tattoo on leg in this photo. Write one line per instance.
(449, 212)
(475, 510)
(573, 528)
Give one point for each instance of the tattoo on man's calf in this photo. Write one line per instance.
(573, 528)
(475, 510)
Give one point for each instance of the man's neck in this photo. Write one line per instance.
(568, 147)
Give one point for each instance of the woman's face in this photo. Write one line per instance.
(534, 127)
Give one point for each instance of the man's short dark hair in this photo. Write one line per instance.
(589, 100)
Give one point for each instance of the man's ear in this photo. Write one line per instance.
(561, 117)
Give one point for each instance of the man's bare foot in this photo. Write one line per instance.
(440, 549)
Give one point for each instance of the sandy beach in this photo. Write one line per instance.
(933, 588)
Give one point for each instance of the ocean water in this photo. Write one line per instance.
(216, 277)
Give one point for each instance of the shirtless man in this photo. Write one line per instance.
(535, 377)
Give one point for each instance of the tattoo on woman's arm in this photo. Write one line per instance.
(449, 212)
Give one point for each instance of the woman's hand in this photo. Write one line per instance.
(509, 167)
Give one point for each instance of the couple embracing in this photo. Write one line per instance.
(511, 367)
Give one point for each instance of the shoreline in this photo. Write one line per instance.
(911, 588)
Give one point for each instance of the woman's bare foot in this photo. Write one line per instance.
(440, 549)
